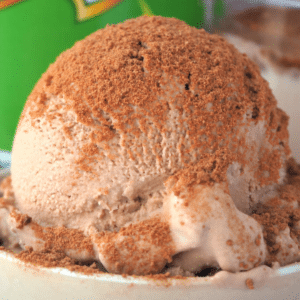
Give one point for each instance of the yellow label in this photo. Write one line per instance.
(145, 8)
(87, 9)
(6, 3)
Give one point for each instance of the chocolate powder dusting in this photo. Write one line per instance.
(63, 238)
(57, 259)
(56, 244)
(279, 213)
(249, 283)
(116, 80)
(21, 219)
(125, 250)
(6, 188)
(6, 183)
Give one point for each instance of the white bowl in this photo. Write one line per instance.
(23, 281)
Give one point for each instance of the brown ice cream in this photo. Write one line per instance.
(149, 143)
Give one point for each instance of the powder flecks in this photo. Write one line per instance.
(124, 251)
(57, 259)
(250, 284)
(268, 171)
(6, 188)
(116, 88)
(21, 219)
(280, 213)
(55, 238)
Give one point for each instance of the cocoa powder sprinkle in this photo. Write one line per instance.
(117, 82)
(250, 284)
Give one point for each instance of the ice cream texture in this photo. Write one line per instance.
(149, 143)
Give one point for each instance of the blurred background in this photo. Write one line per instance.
(34, 32)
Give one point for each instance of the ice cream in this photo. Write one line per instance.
(149, 143)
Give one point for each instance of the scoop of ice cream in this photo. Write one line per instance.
(140, 110)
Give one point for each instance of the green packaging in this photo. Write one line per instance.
(34, 32)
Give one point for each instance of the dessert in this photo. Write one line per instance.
(151, 145)
(270, 36)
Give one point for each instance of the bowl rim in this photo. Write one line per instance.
(290, 269)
